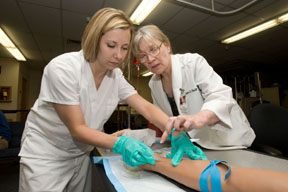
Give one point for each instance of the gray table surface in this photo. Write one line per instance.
(248, 158)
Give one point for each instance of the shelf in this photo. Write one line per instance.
(5, 101)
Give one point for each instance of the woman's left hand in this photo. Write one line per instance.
(182, 144)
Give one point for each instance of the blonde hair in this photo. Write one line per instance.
(149, 33)
(104, 20)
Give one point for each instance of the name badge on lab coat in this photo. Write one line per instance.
(182, 102)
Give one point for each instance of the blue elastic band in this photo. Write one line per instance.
(215, 177)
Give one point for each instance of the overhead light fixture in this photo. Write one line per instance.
(257, 29)
(147, 73)
(8, 44)
(143, 10)
(283, 18)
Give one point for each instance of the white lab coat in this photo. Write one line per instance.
(204, 89)
(68, 80)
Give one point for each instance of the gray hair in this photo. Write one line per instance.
(149, 33)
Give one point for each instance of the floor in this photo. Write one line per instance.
(9, 176)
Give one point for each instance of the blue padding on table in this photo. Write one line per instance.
(108, 170)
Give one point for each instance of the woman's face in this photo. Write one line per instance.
(113, 48)
(155, 55)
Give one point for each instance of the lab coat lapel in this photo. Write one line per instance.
(176, 80)
(163, 102)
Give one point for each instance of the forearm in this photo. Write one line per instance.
(241, 179)
(73, 118)
(93, 137)
(187, 175)
(210, 117)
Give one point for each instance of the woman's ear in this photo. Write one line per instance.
(168, 47)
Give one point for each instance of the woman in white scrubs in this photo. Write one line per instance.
(185, 85)
(79, 92)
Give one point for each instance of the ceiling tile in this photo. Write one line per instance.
(49, 3)
(128, 6)
(11, 17)
(42, 20)
(73, 25)
(184, 20)
(162, 14)
(85, 7)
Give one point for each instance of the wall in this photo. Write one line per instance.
(10, 77)
(12, 74)
(142, 86)
(34, 86)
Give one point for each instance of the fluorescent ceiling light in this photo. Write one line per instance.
(148, 73)
(8, 44)
(16, 53)
(283, 18)
(257, 29)
(143, 10)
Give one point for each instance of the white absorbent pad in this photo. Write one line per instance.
(147, 136)
(138, 180)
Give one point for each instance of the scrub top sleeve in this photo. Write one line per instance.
(60, 83)
(217, 96)
(125, 89)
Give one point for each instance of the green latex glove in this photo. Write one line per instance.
(180, 145)
(133, 151)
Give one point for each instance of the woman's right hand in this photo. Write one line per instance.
(133, 151)
(188, 122)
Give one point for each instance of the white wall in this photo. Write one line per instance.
(10, 77)
(12, 73)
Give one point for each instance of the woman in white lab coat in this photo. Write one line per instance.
(79, 92)
(186, 85)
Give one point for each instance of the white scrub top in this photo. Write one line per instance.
(203, 89)
(68, 80)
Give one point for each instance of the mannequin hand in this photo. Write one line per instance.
(189, 122)
(119, 133)
(181, 144)
(134, 152)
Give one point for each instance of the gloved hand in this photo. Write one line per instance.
(134, 152)
(181, 144)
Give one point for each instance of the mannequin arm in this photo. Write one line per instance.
(241, 179)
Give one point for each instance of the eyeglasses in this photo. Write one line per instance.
(153, 52)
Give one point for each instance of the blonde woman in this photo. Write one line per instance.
(79, 92)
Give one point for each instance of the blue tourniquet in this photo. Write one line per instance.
(215, 177)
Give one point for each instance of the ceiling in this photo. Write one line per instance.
(43, 29)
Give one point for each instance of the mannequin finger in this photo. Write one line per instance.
(177, 157)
